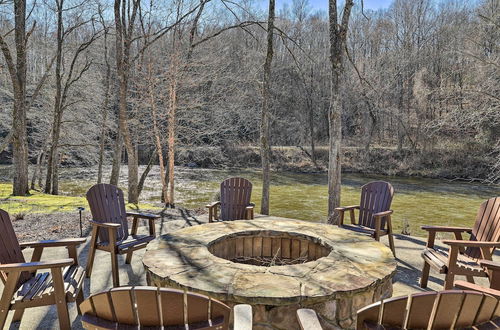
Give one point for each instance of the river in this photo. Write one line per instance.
(417, 201)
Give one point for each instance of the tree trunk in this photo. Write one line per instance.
(338, 35)
(157, 136)
(20, 138)
(117, 160)
(55, 178)
(265, 149)
(144, 174)
(37, 170)
(170, 201)
(124, 23)
(57, 116)
(107, 86)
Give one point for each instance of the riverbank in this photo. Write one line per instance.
(471, 165)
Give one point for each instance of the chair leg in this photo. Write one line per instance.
(3, 317)
(114, 268)
(448, 281)
(7, 295)
(91, 256)
(128, 259)
(425, 275)
(470, 278)
(391, 244)
(18, 315)
(60, 298)
(79, 300)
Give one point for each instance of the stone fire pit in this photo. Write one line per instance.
(277, 266)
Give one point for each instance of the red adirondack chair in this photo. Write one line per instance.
(110, 227)
(235, 194)
(25, 288)
(374, 212)
(463, 255)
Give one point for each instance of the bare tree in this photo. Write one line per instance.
(338, 36)
(265, 149)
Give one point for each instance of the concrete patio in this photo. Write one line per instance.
(408, 249)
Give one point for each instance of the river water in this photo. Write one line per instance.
(417, 201)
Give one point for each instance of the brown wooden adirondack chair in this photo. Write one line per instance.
(110, 227)
(24, 288)
(462, 256)
(493, 272)
(234, 201)
(374, 212)
(130, 307)
(453, 309)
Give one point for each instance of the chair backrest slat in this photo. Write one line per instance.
(431, 310)
(235, 194)
(487, 225)
(155, 307)
(107, 204)
(376, 197)
(10, 251)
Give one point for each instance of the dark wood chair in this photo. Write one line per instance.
(493, 271)
(374, 212)
(25, 288)
(161, 308)
(110, 227)
(235, 194)
(453, 309)
(463, 255)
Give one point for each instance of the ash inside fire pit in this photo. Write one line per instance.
(269, 248)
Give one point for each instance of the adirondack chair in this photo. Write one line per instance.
(130, 307)
(110, 227)
(234, 201)
(374, 212)
(450, 309)
(25, 288)
(493, 271)
(462, 256)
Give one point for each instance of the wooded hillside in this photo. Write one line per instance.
(135, 79)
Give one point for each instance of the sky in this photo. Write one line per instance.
(323, 4)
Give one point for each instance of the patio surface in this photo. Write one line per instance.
(408, 250)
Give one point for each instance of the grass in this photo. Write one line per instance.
(37, 202)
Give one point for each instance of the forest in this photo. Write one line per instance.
(95, 83)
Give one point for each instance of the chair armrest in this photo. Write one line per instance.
(54, 243)
(491, 265)
(143, 215)
(471, 243)
(105, 224)
(33, 266)
(209, 206)
(382, 214)
(463, 285)
(346, 208)
(308, 319)
(446, 229)
(243, 317)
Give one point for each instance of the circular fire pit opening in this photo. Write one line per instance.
(269, 248)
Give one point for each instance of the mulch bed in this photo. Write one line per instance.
(45, 226)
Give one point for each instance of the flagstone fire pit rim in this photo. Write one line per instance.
(182, 259)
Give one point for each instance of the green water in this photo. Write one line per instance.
(304, 196)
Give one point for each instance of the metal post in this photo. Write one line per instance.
(80, 209)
